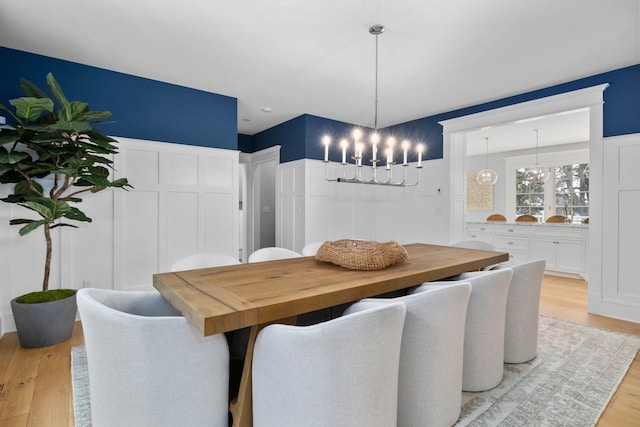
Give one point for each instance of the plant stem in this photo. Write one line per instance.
(47, 262)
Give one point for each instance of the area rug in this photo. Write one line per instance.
(569, 383)
(577, 370)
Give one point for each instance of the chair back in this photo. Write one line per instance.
(311, 249)
(556, 219)
(340, 372)
(147, 365)
(526, 218)
(475, 244)
(523, 311)
(204, 260)
(272, 254)
(431, 356)
(484, 329)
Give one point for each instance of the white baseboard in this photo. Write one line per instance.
(618, 311)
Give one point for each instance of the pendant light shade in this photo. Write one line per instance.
(487, 176)
(538, 174)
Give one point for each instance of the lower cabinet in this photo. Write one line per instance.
(564, 247)
(564, 250)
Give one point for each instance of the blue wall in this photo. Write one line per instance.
(148, 109)
(301, 137)
(621, 108)
(141, 108)
(621, 117)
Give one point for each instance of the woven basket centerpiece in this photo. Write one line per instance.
(362, 254)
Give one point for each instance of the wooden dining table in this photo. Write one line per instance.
(223, 299)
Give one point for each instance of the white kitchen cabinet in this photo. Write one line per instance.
(564, 250)
(512, 239)
(476, 231)
(563, 246)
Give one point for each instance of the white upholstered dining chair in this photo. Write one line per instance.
(431, 356)
(203, 260)
(523, 310)
(475, 244)
(483, 365)
(311, 249)
(272, 254)
(340, 372)
(148, 366)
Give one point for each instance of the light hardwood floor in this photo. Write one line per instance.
(35, 384)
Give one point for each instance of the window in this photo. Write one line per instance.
(529, 196)
(565, 193)
(572, 191)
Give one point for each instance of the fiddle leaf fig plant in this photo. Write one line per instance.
(52, 156)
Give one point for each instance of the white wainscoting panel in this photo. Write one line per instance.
(185, 201)
(333, 211)
(620, 293)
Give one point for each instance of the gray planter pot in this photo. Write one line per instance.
(44, 324)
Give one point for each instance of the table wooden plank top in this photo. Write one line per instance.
(227, 298)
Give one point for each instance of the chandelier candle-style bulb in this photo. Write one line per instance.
(420, 150)
(356, 144)
(390, 143)
(327, 141)
(344, 144)
(405, 148)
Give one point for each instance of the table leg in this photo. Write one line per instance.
(241, 407)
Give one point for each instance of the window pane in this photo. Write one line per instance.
(569, 182)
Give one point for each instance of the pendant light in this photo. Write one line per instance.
(537, 174)
(487, 176)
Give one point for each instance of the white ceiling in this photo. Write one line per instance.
(317, 57)
(555, 129)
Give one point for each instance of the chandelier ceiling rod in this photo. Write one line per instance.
(376, 30)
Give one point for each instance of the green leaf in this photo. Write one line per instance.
(30, 227)
(92, 115)
(30, 109)
(121, 183)
(60, 96)
(70, 125)
(76, 214)
(8, 137)
(60, 224)
(95, 180)
(98, 171)
(23, 188)
(4, 168)
(20, 221)
(30, 89)
(78, 110)
(43, 210)
(13, 158)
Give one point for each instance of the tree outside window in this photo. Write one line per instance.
(572, 191)
(529, 196)
(570, 185)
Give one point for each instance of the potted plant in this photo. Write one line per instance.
(51, 155)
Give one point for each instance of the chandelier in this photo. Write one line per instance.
(538, 174)
(360, 150)
(487, 176)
